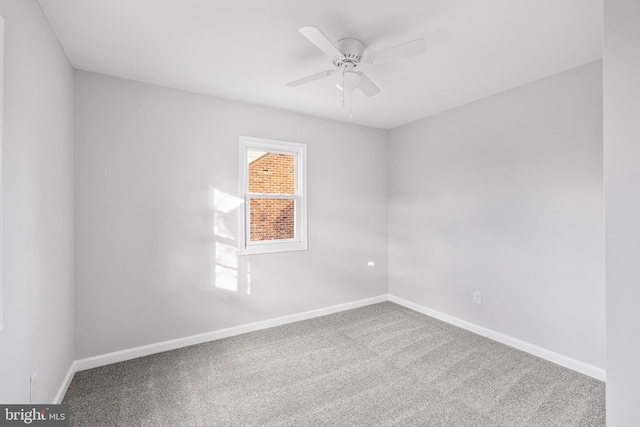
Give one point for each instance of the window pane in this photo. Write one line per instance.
(271, 219)
(271, 173)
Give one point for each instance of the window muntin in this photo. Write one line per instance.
(273, 183)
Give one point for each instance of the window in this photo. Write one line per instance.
(273, 184)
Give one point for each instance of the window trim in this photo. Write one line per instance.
(300, 240)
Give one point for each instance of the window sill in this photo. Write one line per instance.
(270, 248)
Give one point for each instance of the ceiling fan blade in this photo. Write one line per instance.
(404, 50)
(367, 87)
(321, 41)
(310, 78)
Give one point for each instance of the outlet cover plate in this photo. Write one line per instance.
(477, 297)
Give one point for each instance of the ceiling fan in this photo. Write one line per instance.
(347, 56)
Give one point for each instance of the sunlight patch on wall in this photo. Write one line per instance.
(226, 278)
(230, 272)
(222, 204)
(226, 255)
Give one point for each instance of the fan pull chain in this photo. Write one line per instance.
(350, 113)
(343, 87)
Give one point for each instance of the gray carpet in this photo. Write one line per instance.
(380, 365)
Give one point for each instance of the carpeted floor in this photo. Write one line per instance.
(380, 365)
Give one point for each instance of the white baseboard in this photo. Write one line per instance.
(543, 353)
(65, 383)
(145, 350)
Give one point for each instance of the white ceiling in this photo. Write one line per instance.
(247, 50)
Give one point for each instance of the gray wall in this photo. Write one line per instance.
(622, 186)
(505, 196)
(156, 177)
(38, 206)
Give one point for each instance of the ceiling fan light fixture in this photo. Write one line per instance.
(347, 81)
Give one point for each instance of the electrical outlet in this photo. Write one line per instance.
(477, 297)
(33, 386)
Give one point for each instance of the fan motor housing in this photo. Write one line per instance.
(351, 49)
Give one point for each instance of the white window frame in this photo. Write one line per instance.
(300, 241)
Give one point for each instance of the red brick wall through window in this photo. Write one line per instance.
(272, 219)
